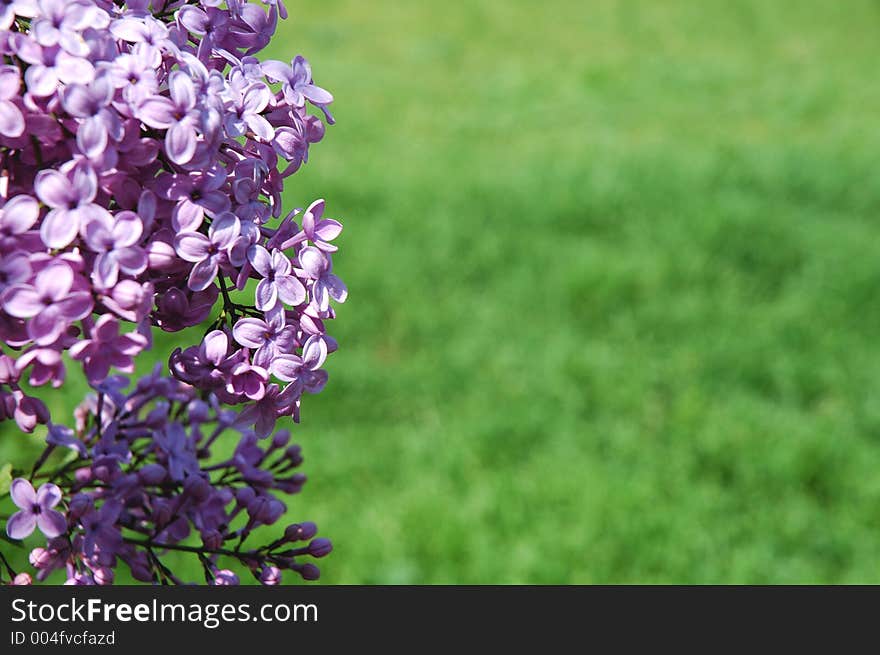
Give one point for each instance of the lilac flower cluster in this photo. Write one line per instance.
(144, 148)
(152, 471)
(139, 175)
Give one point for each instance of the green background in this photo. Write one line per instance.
(613, 281)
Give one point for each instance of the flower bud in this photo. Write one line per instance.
(102, 575)
(79, 505)
(152, 474)
(320, 547)
(23, 579)
(308, 571)
(271, 575)
(40, 558)
(212, 539)
(281, 438)
(300, 531)
(197, 487)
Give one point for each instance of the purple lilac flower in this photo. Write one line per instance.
(106, 348)
(11, 119)
(145, 152)
(50, 302)
(35, 510)
(297, 82)
(268, 337)
(303, 371)
(208, 252)
(318, 267)
(91, 103)
(277, 283)
(17, 217)
(71, 201)
(114, 239)
(320, 231)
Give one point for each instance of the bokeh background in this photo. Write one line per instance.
(613, 278)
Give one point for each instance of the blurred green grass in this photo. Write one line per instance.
(613, 272)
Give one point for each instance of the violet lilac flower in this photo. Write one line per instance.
(277, 283)
(268, 337)
(208, 252)
(145, 153)
(115, 239)
(71, 201)
(106, 348)
(51, 302)
(11, 119)
(326, 285)
(297, 82)
(35, 510)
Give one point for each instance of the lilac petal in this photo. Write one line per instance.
(286, 367)
(250, 332)
(320, 295)
(53, 188)
(157, 112)
(182, 89)
(266, 295)
(132, 260)
(130, 344)
(97, 368)
(46, 327)
(11, 120)
(336, 288)
(59, 228)
(255, 98)
(328, 229)
(224, 230)
(314, 352)
(96, 232)
(84, 184)
(203, 274)
(290, 290)
(54, 281)
(302, 70)
(313, 215)
(127, 230)
(312, 262)
(22, 301)
(69, 68)
(192, 246)
(260, 127)
(20, 214)
(106, 270)
(22, 493)
(17, 268)
(260, 260)
(48, 495)
(91, 137)
(193, 19)
(77, 101)
(20, 525)
(280, 263)
(316, 94)
(254, 388)
(316, 381)
(41, 80)
(106, 329)
(180, 143)
(51, 523)
(276, 71)
(216, 343)
(187, 216)
(10, 82)
(75, 306)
